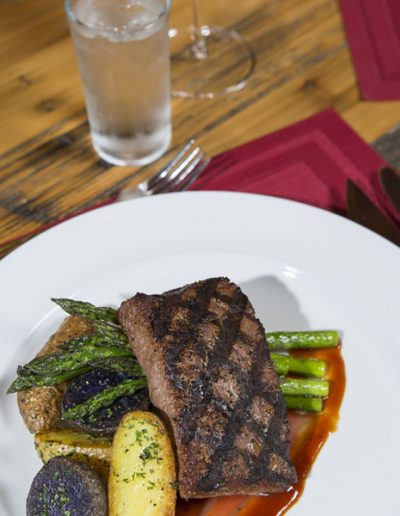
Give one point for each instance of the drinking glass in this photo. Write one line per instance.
(208, 61)
(122, 49)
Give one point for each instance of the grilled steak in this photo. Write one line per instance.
(209, 372)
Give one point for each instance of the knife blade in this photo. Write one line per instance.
(362, 210)
(389, 181)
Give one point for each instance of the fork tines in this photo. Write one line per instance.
(180, 172)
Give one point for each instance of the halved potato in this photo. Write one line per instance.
(66, 487)
(76, 445)
(142, 478)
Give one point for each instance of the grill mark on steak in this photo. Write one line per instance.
(190, 342)
(273, 436)
(211, 480)
(188, 421)
(170, 305)
(257, 468)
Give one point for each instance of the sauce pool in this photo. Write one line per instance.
(308, 435)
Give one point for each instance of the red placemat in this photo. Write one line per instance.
(373, 30)
(309, 162)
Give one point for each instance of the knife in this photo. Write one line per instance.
(362, 210)
(389, 181)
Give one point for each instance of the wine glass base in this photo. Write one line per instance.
(209, 62)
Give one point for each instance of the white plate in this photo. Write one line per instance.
(301, 267)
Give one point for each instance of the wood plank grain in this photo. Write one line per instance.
(27, 27)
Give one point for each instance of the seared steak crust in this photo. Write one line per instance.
(210, 373)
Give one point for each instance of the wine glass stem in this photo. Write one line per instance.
(199, 47)
(196, 12)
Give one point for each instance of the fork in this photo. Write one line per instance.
(176, 176)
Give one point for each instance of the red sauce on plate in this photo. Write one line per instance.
(309, 433)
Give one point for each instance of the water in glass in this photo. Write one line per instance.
(123, 55)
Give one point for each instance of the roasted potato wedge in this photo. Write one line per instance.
(142, 479)
(40, 406)
(78, 446)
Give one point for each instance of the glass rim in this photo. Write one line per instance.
(101, 29)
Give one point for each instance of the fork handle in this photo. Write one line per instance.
(127, 194)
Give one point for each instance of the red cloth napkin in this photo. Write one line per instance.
(309, 161)
(373, 30)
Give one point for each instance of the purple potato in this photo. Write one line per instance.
(104, 422)
(66, 487)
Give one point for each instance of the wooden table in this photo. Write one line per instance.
(48, 168)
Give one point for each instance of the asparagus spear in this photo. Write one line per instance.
(80, 342)
(87, 310)
(61, 361)
(303, 403)
(307, 367)
(107, 334)
(285, 340)
(26, 380)
(285, 364)
(280, 363)
(104, 399)
(125, 365)
(111, 333)
(304, 387)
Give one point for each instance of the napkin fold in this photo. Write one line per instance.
(309, 162)
(373, 31)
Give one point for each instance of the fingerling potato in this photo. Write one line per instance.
(142, 479)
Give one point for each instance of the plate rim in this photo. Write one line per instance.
(93, 212)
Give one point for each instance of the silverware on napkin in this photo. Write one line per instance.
(362, 210)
